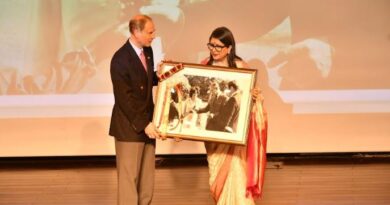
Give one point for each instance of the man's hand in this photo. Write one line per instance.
(159, 66)
(152, 132)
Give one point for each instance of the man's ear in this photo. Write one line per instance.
(136, 32)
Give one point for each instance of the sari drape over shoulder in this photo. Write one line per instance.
(256, 151)
(237, 172)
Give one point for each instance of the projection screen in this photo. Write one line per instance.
(323, 67)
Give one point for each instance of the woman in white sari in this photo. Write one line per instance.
(234, 180)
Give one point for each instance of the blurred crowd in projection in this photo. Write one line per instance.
(64, 46)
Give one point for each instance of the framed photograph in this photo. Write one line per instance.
(205, 103)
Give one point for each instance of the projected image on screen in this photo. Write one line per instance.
(322, 64)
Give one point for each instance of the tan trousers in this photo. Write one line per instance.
(135, 163)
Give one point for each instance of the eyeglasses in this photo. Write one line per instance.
(218, 48)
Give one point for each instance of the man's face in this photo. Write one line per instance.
(231, 91)
(213, 89)
(146, 36)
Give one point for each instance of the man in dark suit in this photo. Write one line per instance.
(133, 77)
(231, 109)
(214, 107)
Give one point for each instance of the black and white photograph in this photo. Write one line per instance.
(200, 102)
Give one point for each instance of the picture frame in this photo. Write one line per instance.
(204, 103)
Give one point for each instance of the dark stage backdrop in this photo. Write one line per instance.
(323, 66)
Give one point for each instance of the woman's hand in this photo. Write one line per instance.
(257, 94)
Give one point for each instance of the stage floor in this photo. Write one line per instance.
(183, 180)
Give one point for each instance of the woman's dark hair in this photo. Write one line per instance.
(226, 37)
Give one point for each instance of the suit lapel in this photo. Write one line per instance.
(140, 69)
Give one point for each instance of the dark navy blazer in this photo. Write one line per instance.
(132, 85)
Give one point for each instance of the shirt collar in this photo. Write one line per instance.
(137, 50)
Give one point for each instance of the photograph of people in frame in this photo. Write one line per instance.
(206, 104)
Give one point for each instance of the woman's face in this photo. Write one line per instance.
(217, 49)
